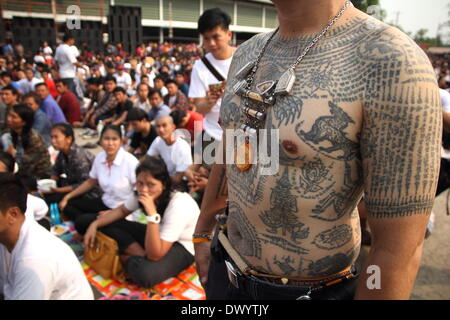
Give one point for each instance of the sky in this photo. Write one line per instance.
(418, 14)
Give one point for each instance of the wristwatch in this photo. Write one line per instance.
(154, 218)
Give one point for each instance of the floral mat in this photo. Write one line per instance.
(185, 286)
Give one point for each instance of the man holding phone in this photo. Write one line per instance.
(212, 70)
(206, 88)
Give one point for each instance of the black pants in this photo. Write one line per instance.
(79, 206)
(53, 197)
(218, 284)
(146, 273)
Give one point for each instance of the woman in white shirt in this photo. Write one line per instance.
(113, 171)
(158, 244)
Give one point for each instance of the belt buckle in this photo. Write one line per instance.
(232, 274)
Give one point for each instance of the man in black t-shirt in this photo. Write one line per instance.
(144, 132)
(122, 108)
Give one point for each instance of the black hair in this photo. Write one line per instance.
(169, 81)
(27, 115)
(41, 65)
(94, 81)
(5, 74)
(159, 78)
(28, 181)
(144, 76)
(7, 160)
(60, 81)
(32, 95)
(177, 116)
(110, 78)
(67, 37)
(119, 89)
(137, 114)
(213, 18)
(143, 84)
(41, 84)
(158, 169)
(11, 88)
(66, 129)
(154, 91)
(12, 193)
(113, 128)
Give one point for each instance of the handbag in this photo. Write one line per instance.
(103, 257)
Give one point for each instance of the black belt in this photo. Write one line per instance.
(261, 289)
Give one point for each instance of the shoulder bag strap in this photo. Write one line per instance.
(212, 69)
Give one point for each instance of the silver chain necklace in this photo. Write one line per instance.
(268, 91)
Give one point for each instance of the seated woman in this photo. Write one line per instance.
(25, 144)
(72, 165)
(158, 244)
(113, 170)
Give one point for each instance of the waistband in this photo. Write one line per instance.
(244, 269)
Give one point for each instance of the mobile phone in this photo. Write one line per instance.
(217, 89)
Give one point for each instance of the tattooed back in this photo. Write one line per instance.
(352, 124)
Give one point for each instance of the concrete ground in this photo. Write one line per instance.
(433, 279)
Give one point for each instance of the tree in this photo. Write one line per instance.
(364, 4)
(371, 7)
(421, 37)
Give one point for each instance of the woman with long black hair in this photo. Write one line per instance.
(157, 244)
(25, 144)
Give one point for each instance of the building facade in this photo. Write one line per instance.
(162, 20)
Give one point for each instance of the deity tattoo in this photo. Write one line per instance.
(282, 214)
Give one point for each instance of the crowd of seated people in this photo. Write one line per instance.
(139, 189)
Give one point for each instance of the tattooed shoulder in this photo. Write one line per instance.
(400, 140)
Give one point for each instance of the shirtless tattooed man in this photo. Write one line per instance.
(363, 116)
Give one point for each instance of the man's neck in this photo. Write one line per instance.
(224, 54)
(305, 17)
(10, 238)
(146, 130)
(171, 140)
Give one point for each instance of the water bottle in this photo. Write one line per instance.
(54, 214)
(100, 126)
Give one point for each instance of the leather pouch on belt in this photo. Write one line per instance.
(217, 250)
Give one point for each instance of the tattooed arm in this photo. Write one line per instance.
(214, 200)
(400, 147)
